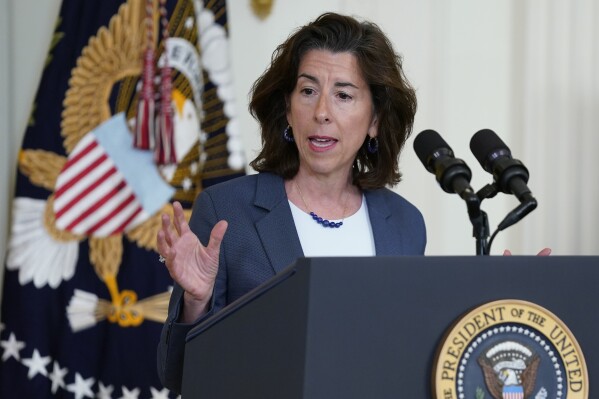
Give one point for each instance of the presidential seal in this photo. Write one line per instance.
(510, 349)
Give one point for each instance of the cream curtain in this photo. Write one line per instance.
(556, 111)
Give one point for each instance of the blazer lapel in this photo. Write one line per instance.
(387, 240)
(276, 229)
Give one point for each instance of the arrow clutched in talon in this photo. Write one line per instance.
(85, 309)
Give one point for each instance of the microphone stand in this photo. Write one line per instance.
(478, 217)
(479, 220)
(480, 231)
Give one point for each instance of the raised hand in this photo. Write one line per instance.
(190, 264)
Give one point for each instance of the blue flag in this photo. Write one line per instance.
(84, 294)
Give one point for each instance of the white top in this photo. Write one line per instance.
(354, 238)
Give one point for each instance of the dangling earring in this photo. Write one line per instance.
(372, 145)
(287, 135)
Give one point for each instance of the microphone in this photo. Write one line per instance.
(437, 157)
(495, 157)
(509, 174)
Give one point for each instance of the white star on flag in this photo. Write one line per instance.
(37, 364)
(81, 387)
(127, 394)
(156, 394)
(57, 377)
(12, 347)
(105, 392)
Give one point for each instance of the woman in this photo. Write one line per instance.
(335, 111)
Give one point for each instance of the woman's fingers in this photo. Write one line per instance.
(542, 252)
(180, 221)
(163, 247)
(166, 229)
(193, 266)
(167, 236)
(170, 234)
(216, 237)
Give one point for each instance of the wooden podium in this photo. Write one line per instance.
(370, 327)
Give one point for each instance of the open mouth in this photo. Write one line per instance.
(322, 142)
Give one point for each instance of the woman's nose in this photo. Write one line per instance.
(322, 110)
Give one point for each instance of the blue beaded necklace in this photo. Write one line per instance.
(323, 222)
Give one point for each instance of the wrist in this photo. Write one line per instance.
(193, 308)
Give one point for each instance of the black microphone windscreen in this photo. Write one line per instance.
(427, 142)
(485, 142)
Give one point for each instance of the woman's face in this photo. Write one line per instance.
(331, 112)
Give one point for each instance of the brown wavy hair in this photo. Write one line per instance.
(392, 95)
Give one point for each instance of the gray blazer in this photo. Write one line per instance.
(261, 240)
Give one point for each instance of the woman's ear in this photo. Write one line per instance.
(287, 109)
(287, 103)
(373, 129)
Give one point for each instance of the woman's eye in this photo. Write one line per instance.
(344, 96)
(307, 91)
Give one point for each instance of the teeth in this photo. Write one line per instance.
(321, 142)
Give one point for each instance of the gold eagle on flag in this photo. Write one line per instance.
(101, 191)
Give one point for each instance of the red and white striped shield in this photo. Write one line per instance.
(107, 186)
(513, 392)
